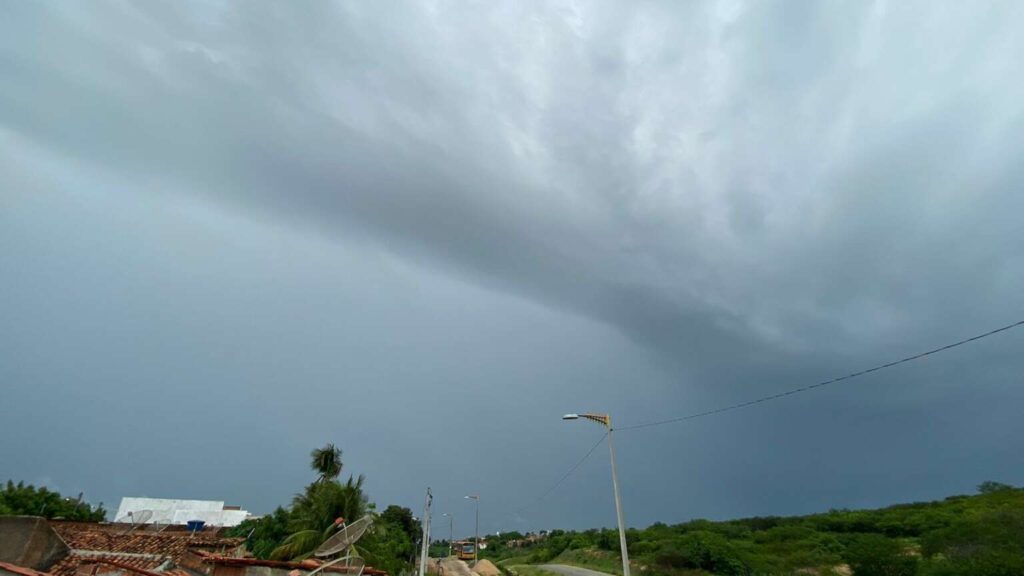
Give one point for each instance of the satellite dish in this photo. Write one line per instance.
(351, 562)
(343, 540)
(141, 517)
(137, 517)
(345, 537)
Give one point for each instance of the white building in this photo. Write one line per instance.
(167, 511)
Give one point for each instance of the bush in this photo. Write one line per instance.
(989, 544)
(703, 550)
(875, 555)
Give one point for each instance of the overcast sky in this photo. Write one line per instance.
(424, 231)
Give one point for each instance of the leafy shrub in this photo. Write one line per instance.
(989, 544)
(876, 555)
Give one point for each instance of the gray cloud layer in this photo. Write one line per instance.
(661, 208)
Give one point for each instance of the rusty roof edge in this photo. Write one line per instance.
(122, 566)
(22, 570)
(98, 553)
(302, 565)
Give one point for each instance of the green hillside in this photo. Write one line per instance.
(981, 535)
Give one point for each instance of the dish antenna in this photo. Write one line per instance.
(136, 518)
(342, 542)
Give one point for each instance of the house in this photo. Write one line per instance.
(7, 569)
(136, 510)
(98, 548)
(64, 548)
(203, 563)
(31, 546)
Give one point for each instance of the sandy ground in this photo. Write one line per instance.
(448, 567)
(486, 568)
(456, 567)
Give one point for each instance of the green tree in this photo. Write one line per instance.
(326, 462)
(990, 487)
(988, 544)
(315, 514)
(391, 544)
(402, 518)
(22, 499)
(264, 534)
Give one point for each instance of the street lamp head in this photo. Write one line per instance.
(571, 417)
(472, 497)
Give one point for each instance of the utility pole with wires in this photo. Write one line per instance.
(425, 545)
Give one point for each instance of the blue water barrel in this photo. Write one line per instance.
(195, 525)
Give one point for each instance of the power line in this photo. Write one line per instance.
(820, 384)
(564, 476)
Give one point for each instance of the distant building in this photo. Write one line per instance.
(179, 512)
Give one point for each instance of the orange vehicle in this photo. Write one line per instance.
(465, 549)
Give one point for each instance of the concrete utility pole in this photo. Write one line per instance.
(425, 545)
(606, 421)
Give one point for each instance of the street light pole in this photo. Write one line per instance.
(606, 421)
(451, 531)
(476, 537)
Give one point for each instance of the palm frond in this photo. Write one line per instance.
(298, 545)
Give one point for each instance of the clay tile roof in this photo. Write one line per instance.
(308, 564)
(114, 544)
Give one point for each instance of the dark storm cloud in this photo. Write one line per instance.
(671, 174)
(758, 195)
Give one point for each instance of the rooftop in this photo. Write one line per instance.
(306, 565)
(133, 548)
(20, 570)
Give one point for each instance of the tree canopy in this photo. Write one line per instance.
(980, 535)
(327, 462)
(315, 513)
(27, 500)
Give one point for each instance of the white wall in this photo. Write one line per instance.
(170, 511)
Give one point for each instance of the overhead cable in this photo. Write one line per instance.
(564, 476)
(819, 384)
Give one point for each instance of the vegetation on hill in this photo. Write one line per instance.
(980, 535)
(26, 500)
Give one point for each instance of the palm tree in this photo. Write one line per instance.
(314, 513)
(326, 462)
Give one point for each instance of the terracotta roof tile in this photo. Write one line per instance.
(135, 549)
(308, 564)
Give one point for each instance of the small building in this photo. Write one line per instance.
(31, 546)
(8, 569)
(65, 548)
(203, 563)
(137, 510)
(101, 548)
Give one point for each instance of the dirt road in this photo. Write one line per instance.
(451, 567)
